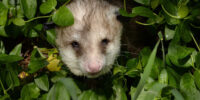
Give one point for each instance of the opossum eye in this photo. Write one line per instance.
(105, 42)
(75, 45)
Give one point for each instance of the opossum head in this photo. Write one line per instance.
(90, 46)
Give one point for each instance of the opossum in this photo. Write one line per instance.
(90, 46)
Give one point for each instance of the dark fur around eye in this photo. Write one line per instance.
(105, 42)
(75, 45)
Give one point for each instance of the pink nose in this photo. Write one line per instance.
(94, 67)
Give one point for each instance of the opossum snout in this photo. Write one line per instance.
(93, 67)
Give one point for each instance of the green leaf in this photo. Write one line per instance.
(143, 11)
(198, 60)
(51, 36)
(183, 32)
(63, 17)
(4, 58)
(147, 71)
(29, 7)
(16, 50)
(180, 55)
(44, 97)
(163, 77)
(154, 3)
(42, 82)
(88, 95)
(12, 79)
(197, 78)
(133, 66)
(37, 61)
(2, 47)
(48, 6)
(19, 21)
(71, 87)
(3, 14)
(188, 88)
(58, 92)
(30, 91)
(169, 33)
(32, 33)
(125, 13)
(174, 11)
(119, 92)
(144, 2)
(177, 94)
(152, 92)
(3, 32)
(36, 64)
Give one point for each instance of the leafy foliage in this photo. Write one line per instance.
(30, 67)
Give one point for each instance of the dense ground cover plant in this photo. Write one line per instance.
(30, 67)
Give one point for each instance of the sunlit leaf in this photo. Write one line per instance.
(42, 82)
(48, 6)
(58, 92)
(63, 17)
(29, 7)
(30, 91)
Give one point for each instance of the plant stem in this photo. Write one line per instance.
(195, 41)
(38, 18)
(125, 5)
(4, 91)
(66, 2)
(163, 52)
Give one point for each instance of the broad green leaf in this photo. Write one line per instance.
(163, 77)
(51, 36)
(4, 58)
(169, 33)
(197, 78)
(144, 2)
(71, 87)
(33, 33)
(36, 64)
(133, 67)
(120, 93)
(177, 94)
(198, 60)
(42, 82)
(183, 31)
(12, 79)
(119, 70)
(16, 50)
(144, 55)
(188, 88)
(143, 11)
(37, 61)
(29, 7)
(3, 14)
(63, 17)
(19, 21)
(58, 92)
(88, 95)
(180, 55)
(44, 97)
(154, 3)
(2, 47)
(174, 11)
(152, 92)
(30, 91)
(48, 6)
(146, 72)
(125, 13)
(132, 92)
(3, 32)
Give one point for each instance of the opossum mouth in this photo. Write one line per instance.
(93, 74)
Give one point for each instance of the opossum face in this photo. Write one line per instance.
(90, 46)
